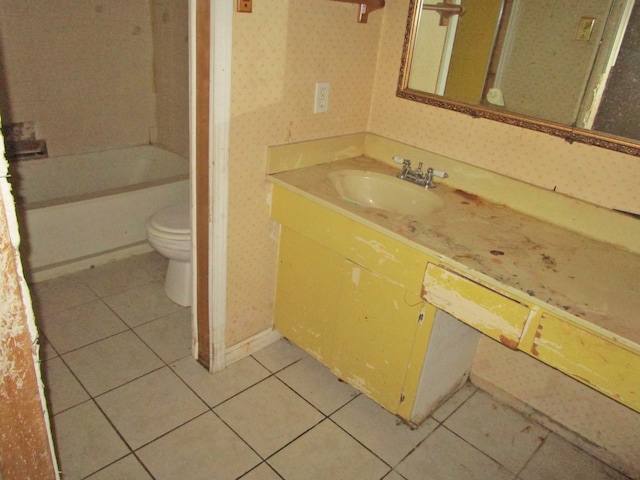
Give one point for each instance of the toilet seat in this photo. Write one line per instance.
(174, 220)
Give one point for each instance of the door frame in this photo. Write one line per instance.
(211, 24)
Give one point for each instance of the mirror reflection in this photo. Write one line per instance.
(573, 63)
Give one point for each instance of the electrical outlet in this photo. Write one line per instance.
(245, 6)
(321, 103)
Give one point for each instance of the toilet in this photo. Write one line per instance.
(169, 233)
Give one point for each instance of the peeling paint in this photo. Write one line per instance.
(474, 311)
(512, 344)
(379, 248)
(355, 276)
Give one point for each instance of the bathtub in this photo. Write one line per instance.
(75, 209)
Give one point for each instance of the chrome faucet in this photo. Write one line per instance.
(417, 176)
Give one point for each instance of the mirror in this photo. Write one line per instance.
(563, 67)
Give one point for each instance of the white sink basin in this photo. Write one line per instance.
(376, 190)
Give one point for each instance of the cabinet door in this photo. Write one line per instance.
(307, 294)
(376, 337)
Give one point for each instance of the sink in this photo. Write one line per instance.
(377, 190)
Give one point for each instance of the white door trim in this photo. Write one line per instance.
(219, 125)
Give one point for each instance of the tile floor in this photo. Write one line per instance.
(129, 402)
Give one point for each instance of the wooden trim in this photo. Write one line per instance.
(25, 443)
(201, 172)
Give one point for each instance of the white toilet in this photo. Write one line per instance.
(169, 233)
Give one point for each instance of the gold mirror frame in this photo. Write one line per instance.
(568, 133)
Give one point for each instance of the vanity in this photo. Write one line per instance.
(394, 303)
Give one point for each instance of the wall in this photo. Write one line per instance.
(279, 52)
(171, 66)
(592, 174)
(82, 70)
(25, 443)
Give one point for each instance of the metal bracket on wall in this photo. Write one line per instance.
(365, 7)
(446, 10)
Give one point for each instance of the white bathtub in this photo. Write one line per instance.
(74, 208)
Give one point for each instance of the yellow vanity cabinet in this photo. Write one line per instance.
(368, 330)
(598, 361)
(483, 308)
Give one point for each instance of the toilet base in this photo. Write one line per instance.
(177, 283)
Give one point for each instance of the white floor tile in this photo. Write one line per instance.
(218, 387)
(268, 416)
(153, 263)
(177, 438)
(62, 389)
(327, 453)
(500, 432)
(261, 472)
(150, 406)
(204, 448)
(59, 294)
(170, 336)
(109, 363)
(445, 456)
(47, 352)
(381, 431)
(279, 355)
(393, 476)
(558, 459)
(451, 405)
(142, 304)
(79, 326)
(113, 277)
(317, 385)
(129, 468)
(85, 441)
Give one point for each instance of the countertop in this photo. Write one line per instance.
(589, 281)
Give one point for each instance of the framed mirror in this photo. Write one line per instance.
(563, 67)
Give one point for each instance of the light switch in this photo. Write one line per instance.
(321, 101)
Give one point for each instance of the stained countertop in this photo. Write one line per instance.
(587, 280)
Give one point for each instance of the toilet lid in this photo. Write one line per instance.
(174, 219)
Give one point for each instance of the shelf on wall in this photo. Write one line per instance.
(365, 7)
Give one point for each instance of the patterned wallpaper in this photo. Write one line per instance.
(279, 52)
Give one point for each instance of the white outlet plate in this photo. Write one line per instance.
(321, 103)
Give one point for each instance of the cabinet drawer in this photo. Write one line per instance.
(495, 315)
(599, 362)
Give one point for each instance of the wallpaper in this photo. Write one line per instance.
(279, 52)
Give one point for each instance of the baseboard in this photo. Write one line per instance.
(58, 269)
(251, 345)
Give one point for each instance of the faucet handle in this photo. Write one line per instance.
(440, 173)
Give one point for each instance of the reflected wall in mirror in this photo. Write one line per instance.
(566, 67)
